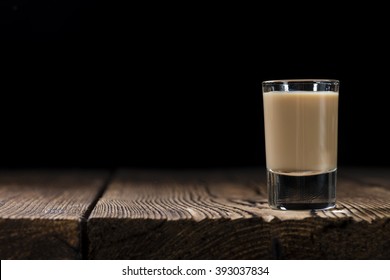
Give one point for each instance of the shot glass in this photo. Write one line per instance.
(300, 119)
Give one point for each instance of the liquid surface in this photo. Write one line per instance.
(301, 131)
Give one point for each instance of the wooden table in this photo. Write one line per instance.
(140, 214)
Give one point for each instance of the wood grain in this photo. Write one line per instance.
(224, 215)
(42, 212)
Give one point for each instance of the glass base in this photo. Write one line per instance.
(287, 192)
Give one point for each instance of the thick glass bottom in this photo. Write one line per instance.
(287, 192)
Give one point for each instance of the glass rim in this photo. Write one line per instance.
(301, 81)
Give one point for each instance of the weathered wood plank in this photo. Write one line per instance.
(224, 215)
(42, 212)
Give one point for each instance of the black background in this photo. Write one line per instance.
(88, 84)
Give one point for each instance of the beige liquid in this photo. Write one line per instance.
(301, 131)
